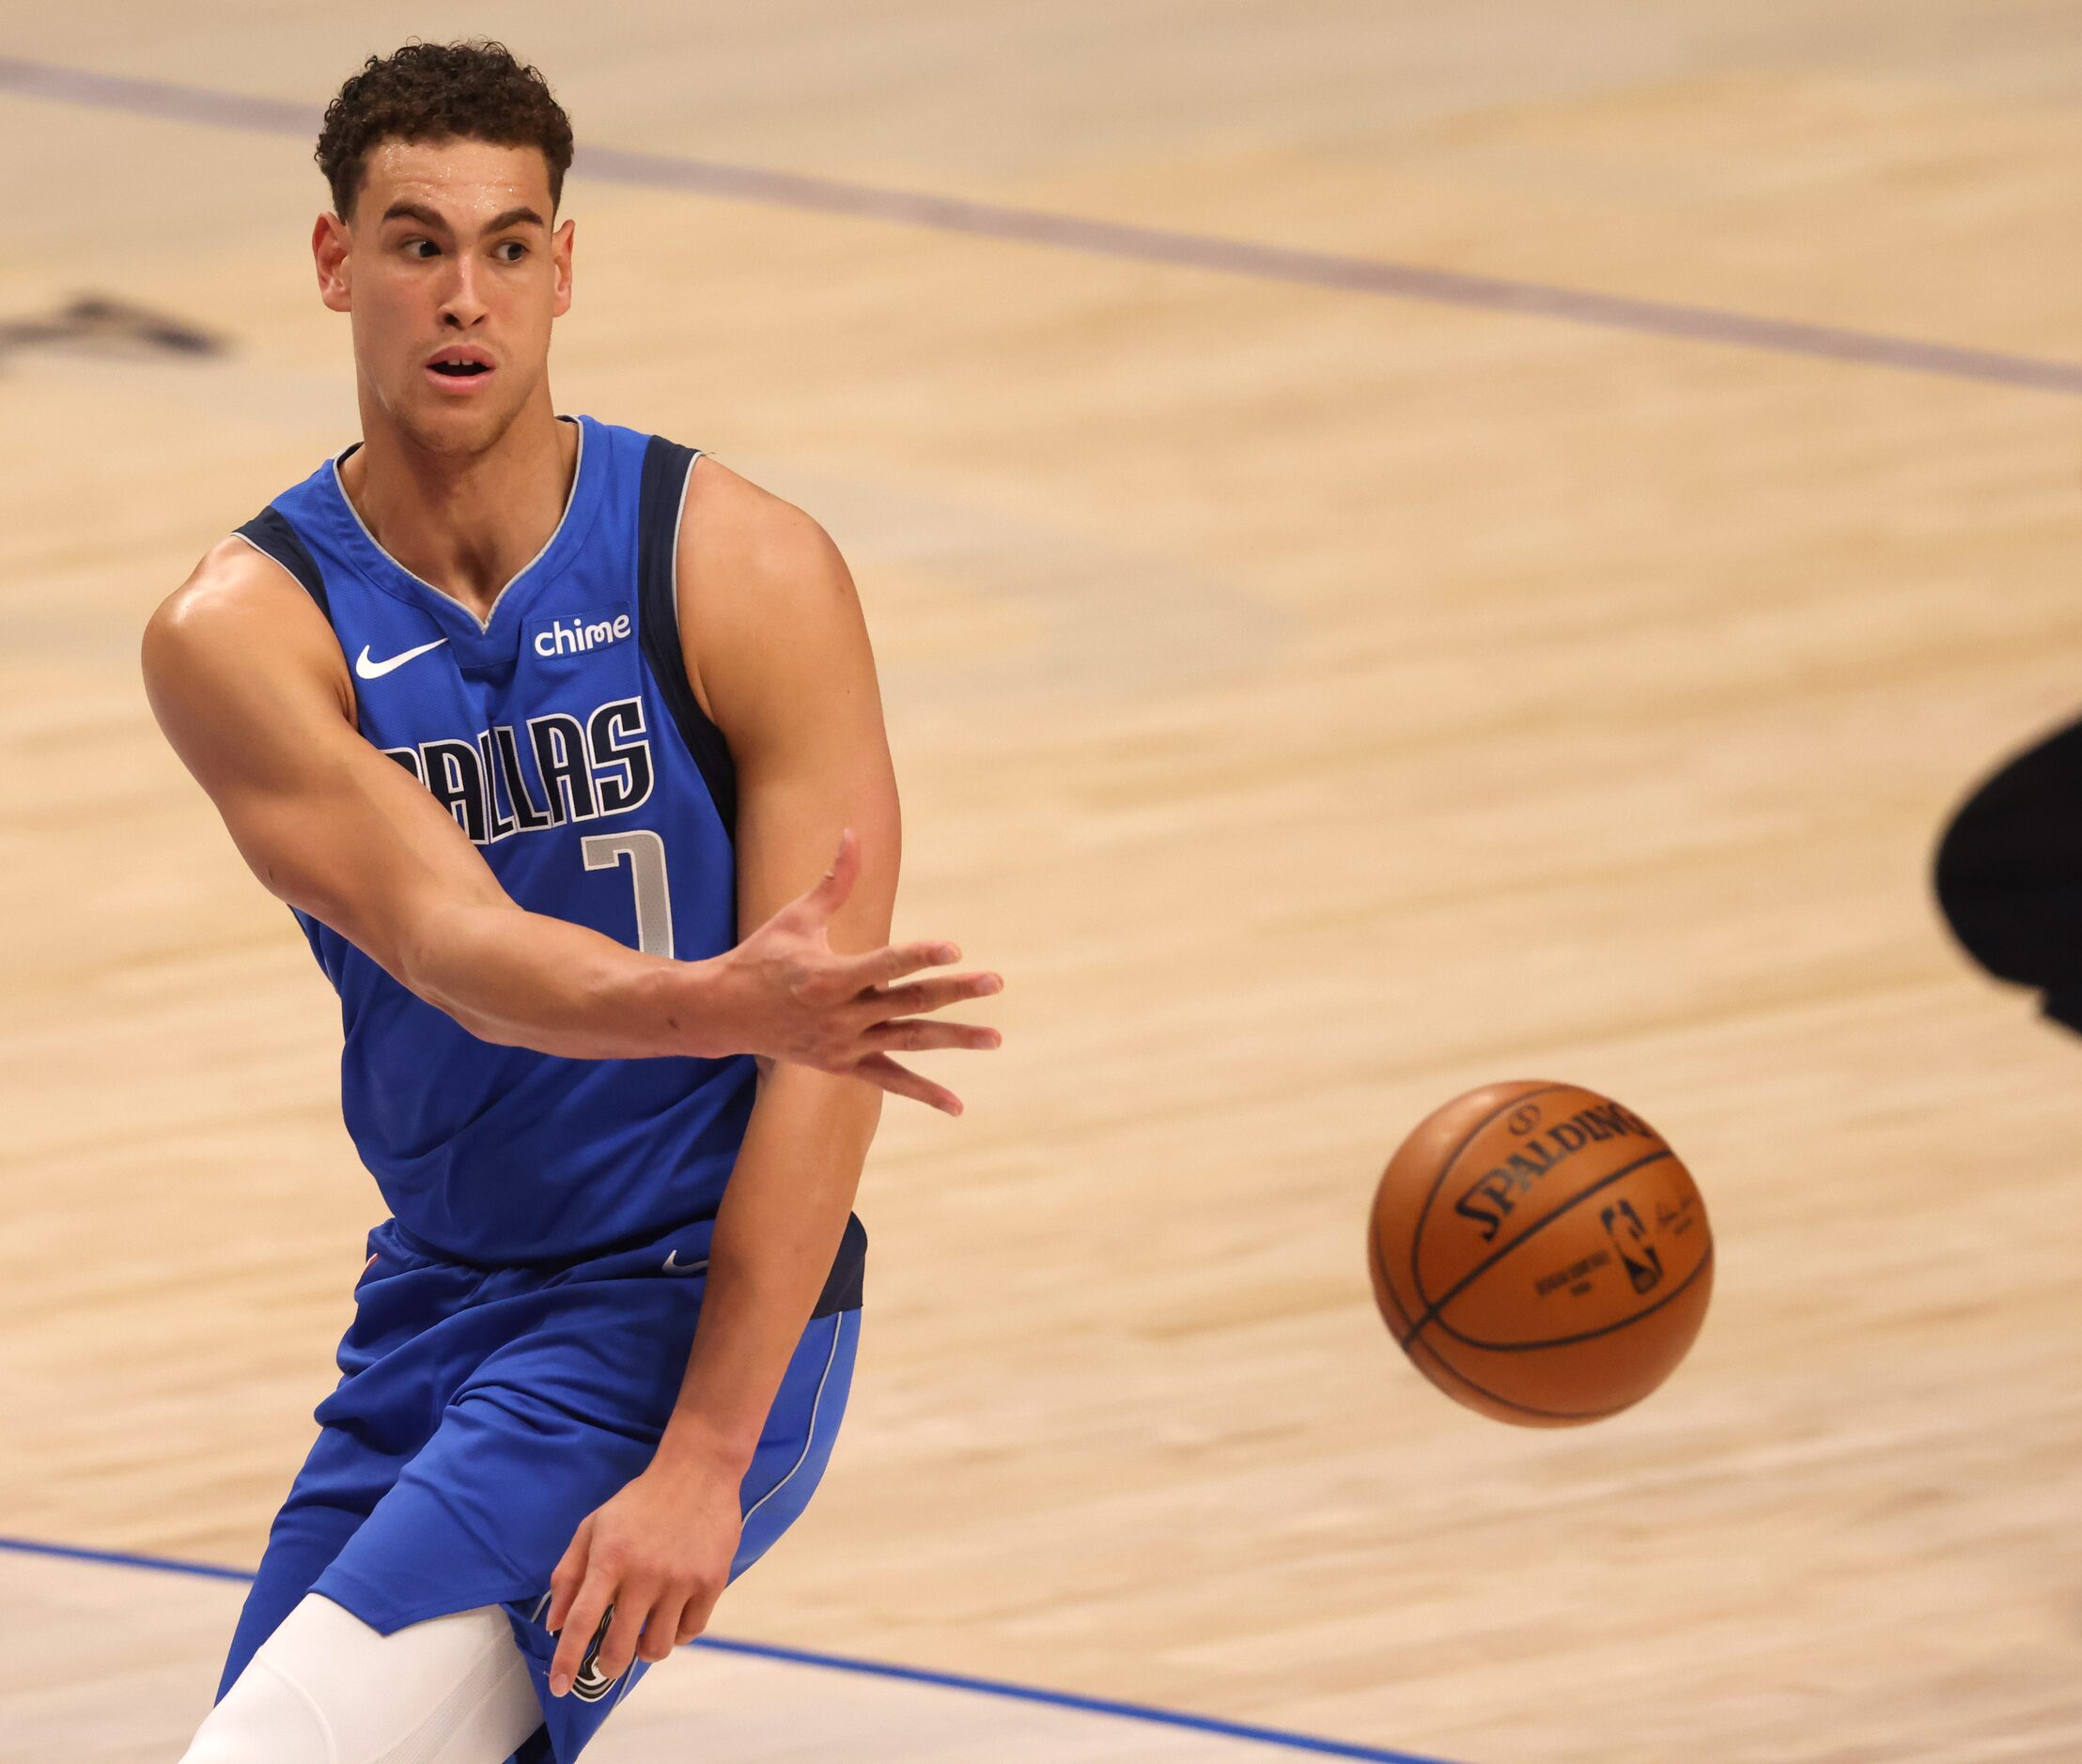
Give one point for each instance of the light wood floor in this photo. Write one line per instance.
(1315, 704)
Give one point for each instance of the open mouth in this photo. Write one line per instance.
(460, 366)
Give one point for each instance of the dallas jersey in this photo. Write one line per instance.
(562, 734)
(523, 1325)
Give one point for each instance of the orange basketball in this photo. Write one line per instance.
(1541, 1254)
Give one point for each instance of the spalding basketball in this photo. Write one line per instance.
(1541, 1254)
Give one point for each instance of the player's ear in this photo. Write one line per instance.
(560, 254)
(329, 251)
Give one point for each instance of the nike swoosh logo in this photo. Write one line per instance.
(673, 1266)
(370, 670)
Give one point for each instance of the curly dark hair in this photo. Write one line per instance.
(475, 90)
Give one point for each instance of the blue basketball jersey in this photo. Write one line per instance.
(563, 736)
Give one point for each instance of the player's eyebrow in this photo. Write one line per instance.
(414, 212)
(521, 216)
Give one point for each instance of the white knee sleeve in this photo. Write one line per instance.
(325, 1688)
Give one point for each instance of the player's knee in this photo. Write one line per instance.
(261, 1720)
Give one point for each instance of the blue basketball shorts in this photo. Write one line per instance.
(481, 1413)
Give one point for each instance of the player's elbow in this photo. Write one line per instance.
(426, 950)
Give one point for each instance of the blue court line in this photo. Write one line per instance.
(1120, 239)
(844, 1663)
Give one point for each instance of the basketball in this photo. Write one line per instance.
(1539, 1253)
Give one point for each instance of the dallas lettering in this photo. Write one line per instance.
(564, 770)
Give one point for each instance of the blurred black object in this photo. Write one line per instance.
(2009, 873)
(102, 325)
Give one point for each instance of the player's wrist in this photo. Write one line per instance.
(700, 1012)
(697, 1443)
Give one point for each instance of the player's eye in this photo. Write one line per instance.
(421, 248)
(510, 251)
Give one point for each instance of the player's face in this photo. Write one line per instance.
(452, 275)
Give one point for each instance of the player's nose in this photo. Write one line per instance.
(460, 304)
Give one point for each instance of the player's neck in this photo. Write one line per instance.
(467, 524)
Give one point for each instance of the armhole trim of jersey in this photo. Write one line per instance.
(661, 498)
(270, 533)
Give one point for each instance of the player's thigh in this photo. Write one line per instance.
(326, 1688)
(304, 1539)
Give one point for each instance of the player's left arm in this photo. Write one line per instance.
(777, 653)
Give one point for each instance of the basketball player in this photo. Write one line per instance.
(537, 724)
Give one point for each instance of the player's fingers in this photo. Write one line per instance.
(694, 1619)
(935, 993)
(619, 1648)
(594, 1597)
(570, 1575)
(914, 1034)
(661, 1628)
(877, 967)
(881, 1070)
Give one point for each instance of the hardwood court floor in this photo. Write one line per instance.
(1316, 703)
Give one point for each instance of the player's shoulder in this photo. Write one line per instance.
(740, 541)
(768, 611)
(237, 602)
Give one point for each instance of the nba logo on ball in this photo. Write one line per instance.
(1539, 1253)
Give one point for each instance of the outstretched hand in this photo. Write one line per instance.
(795, 999)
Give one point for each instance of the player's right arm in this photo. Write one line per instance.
(247, 680)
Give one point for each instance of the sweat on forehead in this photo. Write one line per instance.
(461, 184)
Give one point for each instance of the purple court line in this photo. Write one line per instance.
(1120, 239)
(844, 1663)
(1116, 237)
